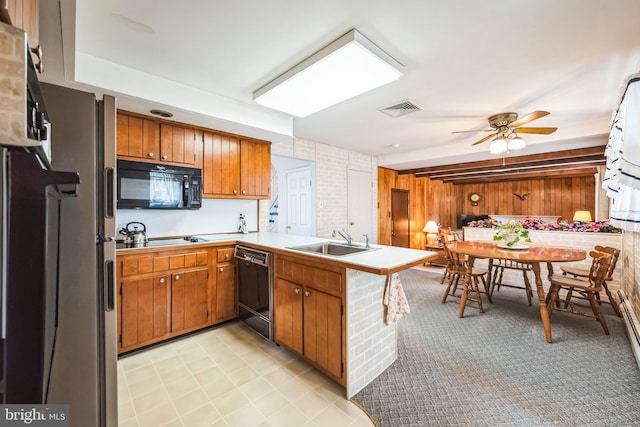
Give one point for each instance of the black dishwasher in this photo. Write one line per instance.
(255, 289)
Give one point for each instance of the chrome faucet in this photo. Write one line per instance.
(343, 234)
(366, 241)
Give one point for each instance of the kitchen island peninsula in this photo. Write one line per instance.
(328, 309)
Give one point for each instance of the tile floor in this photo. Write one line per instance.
(228, 376)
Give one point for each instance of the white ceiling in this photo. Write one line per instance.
(464, 60)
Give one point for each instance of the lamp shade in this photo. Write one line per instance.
(430, 227)
(347, 67)
(584, 216)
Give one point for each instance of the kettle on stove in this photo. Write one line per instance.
(134, 238)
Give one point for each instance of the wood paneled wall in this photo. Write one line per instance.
(427, 199)
(554, 196)
(443, 202)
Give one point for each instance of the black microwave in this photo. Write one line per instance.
(154, 186)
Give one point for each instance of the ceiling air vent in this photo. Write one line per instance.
(401, 109)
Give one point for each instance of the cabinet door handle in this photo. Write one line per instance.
(177, 277)
(164, 157)
(244, 191)
(297, 291)
(162, 280)
(226, 256)
(150, 154)
(307, 293)
(235, 191)
(221, 269)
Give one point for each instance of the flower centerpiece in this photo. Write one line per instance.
(512, 232)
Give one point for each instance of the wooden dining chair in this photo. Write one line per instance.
(499, 265)
(446, 236)
(457, 270)
(584, 273)
(589, 288)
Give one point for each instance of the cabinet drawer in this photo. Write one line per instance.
(319, 278)
(132, 266)
(225, 254)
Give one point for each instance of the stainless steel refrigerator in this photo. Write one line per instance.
(84, 368)
(57, 204)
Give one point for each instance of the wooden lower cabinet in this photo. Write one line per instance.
(288, 314)
(144, 310)
(225, 291)
(323, 330)
(166, 293)
(189, 300)
(309, 314)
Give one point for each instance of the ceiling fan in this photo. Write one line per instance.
(506, 126)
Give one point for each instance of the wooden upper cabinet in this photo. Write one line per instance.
(25, 14)
(178, 144)
(149, 140)
(255, 173)
(235, 167)
(221, 168)
(137, 137)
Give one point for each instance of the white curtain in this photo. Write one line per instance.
(622, 176)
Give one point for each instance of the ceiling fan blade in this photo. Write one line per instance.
(481, 130)
(544, 131)
(484, 139)
(529, 118)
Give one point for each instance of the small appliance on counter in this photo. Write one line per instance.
(134, 238)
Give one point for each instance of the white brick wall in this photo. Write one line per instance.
(371, 344)
(570, 239)
(332, 164)
(630, 260)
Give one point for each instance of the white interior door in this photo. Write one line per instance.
(300, 215)
(360, 204)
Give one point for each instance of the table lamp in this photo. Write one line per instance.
(582, 216)
(432, 233)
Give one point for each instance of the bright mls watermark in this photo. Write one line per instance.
(34, 415)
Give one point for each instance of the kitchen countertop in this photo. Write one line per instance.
(382, 260)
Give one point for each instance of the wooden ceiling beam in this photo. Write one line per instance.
(538, 174)
(554, 156)
(520, 169)
(555, 164)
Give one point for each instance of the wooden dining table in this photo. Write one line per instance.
(532, 254)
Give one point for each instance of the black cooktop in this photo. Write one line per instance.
(162, 242)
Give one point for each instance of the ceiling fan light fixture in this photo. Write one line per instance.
(498, 146)
(516, 143)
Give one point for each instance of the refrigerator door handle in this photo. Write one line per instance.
(109, 203)
(109, 286)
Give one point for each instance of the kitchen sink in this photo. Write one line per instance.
(335, 249)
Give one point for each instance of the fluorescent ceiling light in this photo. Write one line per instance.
(347, 67)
